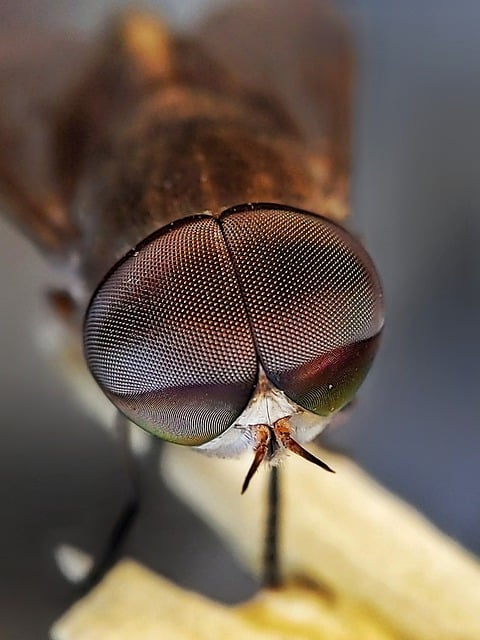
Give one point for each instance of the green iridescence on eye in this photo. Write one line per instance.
(329, 382)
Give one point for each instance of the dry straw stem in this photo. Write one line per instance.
(359, 564)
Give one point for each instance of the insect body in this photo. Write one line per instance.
(225, 314)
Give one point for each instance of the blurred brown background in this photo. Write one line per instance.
(416, 427)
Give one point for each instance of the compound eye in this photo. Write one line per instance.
(314, 301)
(167, 335)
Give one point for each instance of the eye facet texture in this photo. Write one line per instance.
(167, 335)
(314, 302)
(175, 333)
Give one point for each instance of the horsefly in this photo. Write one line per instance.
(222, 305)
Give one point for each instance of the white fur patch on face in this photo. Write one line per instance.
(305, 425)
(267, 405)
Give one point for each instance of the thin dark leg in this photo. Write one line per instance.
(128, 514)
(271, 559)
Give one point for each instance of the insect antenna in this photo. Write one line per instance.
(281, 430)
(263, 437)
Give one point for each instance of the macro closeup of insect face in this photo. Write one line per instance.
(190, 194)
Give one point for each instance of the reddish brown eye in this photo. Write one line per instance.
(176, 332)
(314, 301)
(167, 335)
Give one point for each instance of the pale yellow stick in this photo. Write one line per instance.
(377, 570)
(346, 532)
(133, 603)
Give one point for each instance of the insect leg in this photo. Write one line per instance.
(128, 514)
(271, 568)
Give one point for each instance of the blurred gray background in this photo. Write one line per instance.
(416, 427)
